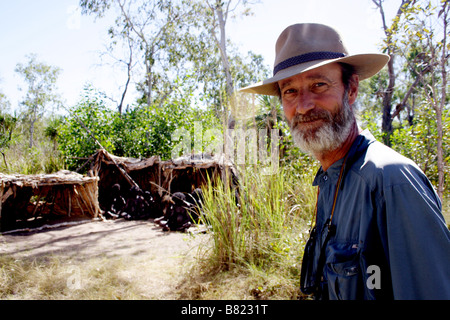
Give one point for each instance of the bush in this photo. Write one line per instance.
(140, 132)
(85, 129)
(419, 142)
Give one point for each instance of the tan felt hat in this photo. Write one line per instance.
(306, 46)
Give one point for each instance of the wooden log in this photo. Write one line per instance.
(70, 203)
(77, 197)
(37, 205)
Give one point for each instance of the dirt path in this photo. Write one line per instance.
(155, 260)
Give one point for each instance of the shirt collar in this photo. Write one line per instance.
(360, 144)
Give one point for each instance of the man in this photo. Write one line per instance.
(379, 231)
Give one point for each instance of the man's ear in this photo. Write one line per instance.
(353, 89)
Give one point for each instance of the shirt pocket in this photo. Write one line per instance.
(343, 271)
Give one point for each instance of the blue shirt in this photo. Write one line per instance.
(390, 240)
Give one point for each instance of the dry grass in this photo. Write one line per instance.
(240, 283)
(58, 278)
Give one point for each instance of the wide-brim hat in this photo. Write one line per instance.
(306, 46)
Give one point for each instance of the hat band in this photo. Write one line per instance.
(310, 56)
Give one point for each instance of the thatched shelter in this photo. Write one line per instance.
(28, 198)
(158, 177)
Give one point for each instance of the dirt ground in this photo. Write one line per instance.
(156, 260)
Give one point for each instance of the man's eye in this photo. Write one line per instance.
(319, 86)
(289, 91)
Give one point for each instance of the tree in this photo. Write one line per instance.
(183, 48)
(170, 43)
(41, 80)
(7, 125)
(389, 49)
(4, 103)
(137, 133)
(426, 51)
(216, 19)
(87, 127)
(158, 37)
(220, 11)
(416, 84)
(51, 130)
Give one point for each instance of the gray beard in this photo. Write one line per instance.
(330, 135)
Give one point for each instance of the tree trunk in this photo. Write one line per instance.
(440, 106)
(222, 44)
(387, 104)
(4, 160)
(32, 122)
(388, 93)
(223, 50)
(31, 134)
(148, 92)
(129, 66)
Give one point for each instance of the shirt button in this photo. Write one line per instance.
(325, 178)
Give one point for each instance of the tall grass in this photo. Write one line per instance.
(262, 224)
(38, 159)
(42, 157)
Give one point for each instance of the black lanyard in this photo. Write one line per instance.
(330, 232)
(336, 192)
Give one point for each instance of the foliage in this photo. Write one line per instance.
(148, 131)
(7, 125)
(87, 128)
(41, 80)
(163, 41)
(20, 158)
(162, 36)
(23, 143)
(4, 103)
(141, 132)
(421, 113)
(419, 142)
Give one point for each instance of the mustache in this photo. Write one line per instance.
(313, 115)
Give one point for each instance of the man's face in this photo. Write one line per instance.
(317, 108)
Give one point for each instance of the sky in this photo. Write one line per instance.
(60, 36)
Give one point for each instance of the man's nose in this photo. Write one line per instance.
(305, 103)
